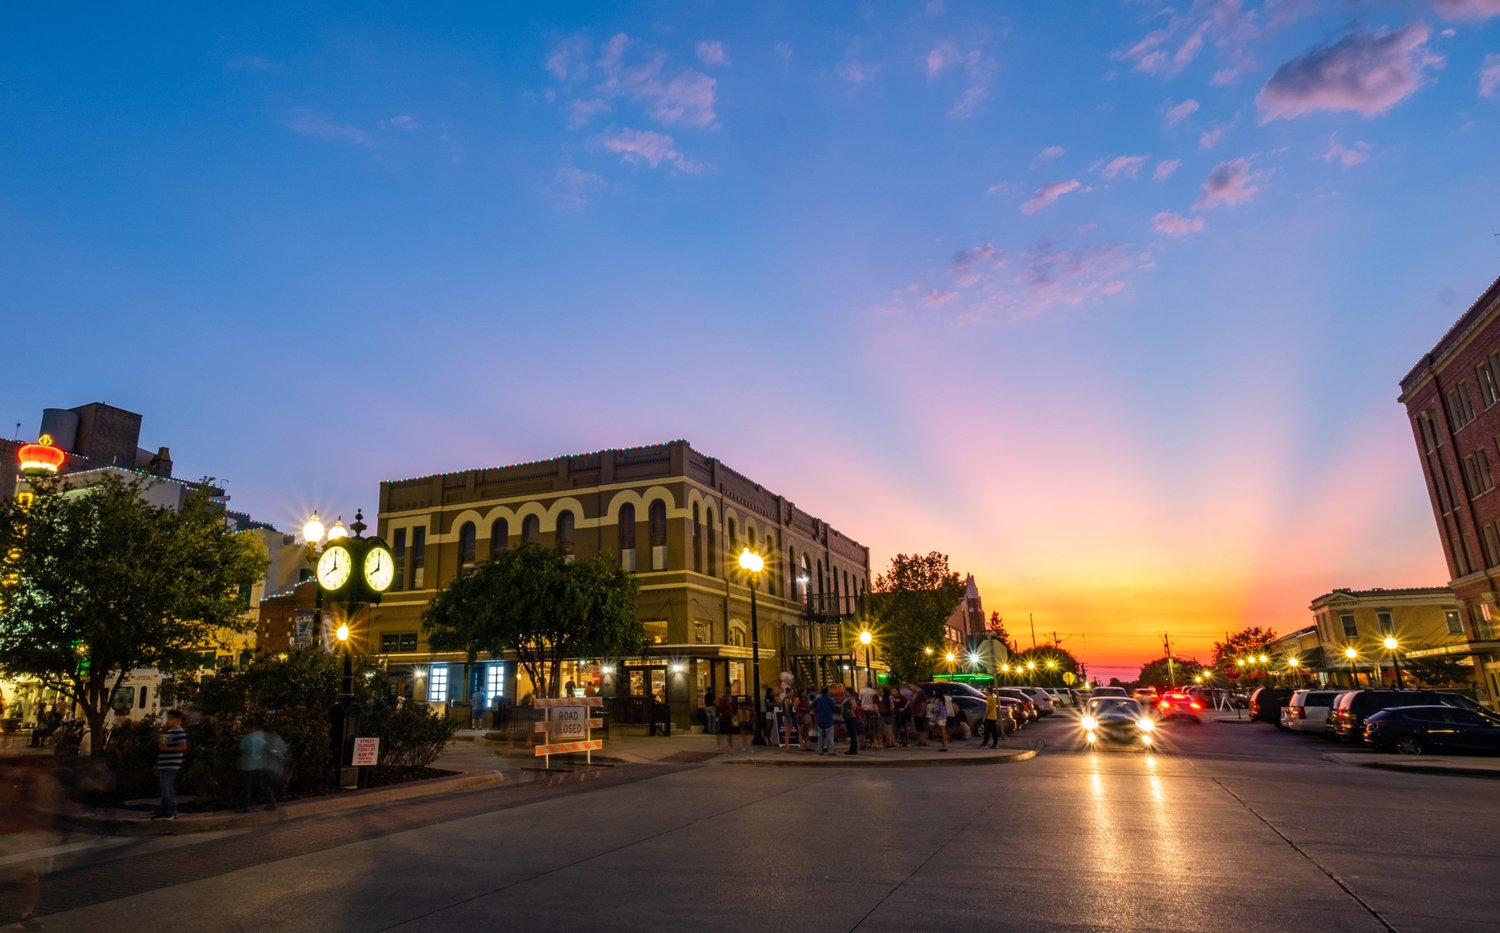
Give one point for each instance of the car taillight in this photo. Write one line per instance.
(1196, 705)
(1299, 712)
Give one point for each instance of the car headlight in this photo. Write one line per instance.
(1090, 723)
(1146, 725)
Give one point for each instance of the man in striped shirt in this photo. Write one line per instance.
(168, 761)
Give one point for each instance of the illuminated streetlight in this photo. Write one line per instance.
(1352, 656)
(864, 639)
(338, 530)
(342, 634)
(1264, 659)
(752, 563)
(312, 532)
(1392, 646)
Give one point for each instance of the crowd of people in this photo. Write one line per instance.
(870, 719)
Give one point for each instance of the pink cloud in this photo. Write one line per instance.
(1179, 112)
(943, 56)
(936, 298)
(628, 70)
(971, 265)
(1471, 10)
(1049, 193)
(712, 53)
(1347, 157)
(1128, 166)
(1177, 225)
(1047, 155)
(635, 147)
(1366, 72)
(1489, 76)
(1210, 138)
(1165, 168)
(977, 69)
(1228, 185)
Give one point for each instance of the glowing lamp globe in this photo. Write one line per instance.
(338, 530)
(751, 561)
(864, 637)
(312, 532)
(41, 458)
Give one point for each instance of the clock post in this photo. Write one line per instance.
(352, 572)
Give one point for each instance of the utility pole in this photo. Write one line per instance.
(1166, 642)
(1033, 630)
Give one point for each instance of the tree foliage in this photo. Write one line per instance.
(996, 627)
(1242, 644)
(106, 583)
(1051, 663)
(535, 602)
(910, 602)
(1161, 674)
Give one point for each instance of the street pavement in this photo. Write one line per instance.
(1230, 826)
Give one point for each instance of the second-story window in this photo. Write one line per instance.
(418, 557)
(1487, 388)
(531, 529)
(466, 542)
(1454, 621)
(565, 528)
(657, 517)
(398, 552)
(499, 537)
(627, 537)
(710, 547)
(1351, 630)
(1384, 620)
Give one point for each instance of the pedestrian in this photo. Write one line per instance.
(901, 707)
(31, 803)
(919, 711)
(938, 713)
(991, 720)
(255, 767)
(478, 703)
(869, 710)
(887, 712)
(728, 726)
(851, 724)
(174, 744)
(710, 711)
(823, 709)
(768, 713)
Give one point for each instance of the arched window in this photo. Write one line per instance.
(565, 526)
(697, 541)
(848, 593)
(711, 550)
(531, 529)
(626, 529)
(657, 517)
(466, 534)
(791, 568)
(821, 584)
(732, 540)
(499, 537)
(806, 581)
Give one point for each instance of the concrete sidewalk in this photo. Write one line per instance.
(1421, 764)
(701, 748)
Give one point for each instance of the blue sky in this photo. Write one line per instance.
(1106, 300)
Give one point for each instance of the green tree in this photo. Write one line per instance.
(910, 603)
(105, 583)
(996, 627)
(1243, 644)
(541, 605)
(1160, 674)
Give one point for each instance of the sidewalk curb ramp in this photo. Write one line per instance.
(1417, 765)
(872, 760)
(114, 823)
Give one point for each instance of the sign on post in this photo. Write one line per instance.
(366, 752)
(567, 727)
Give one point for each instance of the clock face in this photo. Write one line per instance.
(334, 567)
(380, 568)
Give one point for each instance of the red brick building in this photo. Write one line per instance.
(1452, 396)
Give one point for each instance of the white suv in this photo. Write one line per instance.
(1307, 710)
(1042, 699)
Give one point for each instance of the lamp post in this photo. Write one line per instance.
(864, 639)
(1393, 646)
(752, 563)
(1353, 656)
(1030, 672)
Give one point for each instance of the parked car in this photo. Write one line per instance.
(1347, 721)
(1028, 704)
(1415, 730)
(1307, 711)
(1117, 719)
(1266, 704)
(970, 702)
(1176, 705)
(1110, 692)
(1061, 696)
(1041, 698)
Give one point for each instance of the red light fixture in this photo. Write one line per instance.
(41, 458)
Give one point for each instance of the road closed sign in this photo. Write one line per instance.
(569, 722)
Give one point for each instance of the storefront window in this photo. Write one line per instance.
(494, 680)
(437, 684)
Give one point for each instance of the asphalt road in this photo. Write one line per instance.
(1229, 827)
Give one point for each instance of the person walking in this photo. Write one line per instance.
(727, 725)
(938, 710)
(823, 709)
(174, 745)
(901, 707)
(710, 711)
(991, 720)
(887, 717)
(869, 712)
(851, 724)
(921, 726)
(478, 703)
(255, 768)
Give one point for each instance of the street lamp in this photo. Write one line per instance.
(1030, 671)
(864, 639)
(752, 563)
(1392, 646)
(1353, 656)
(337, 531)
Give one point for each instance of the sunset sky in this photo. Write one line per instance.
(1107, 301)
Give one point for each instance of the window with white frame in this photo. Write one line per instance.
(1351, 630)
(437, 683)
(494, 680)
(1386, 626)
(1454, 620)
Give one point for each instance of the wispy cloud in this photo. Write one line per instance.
(1179, 112)
(572, 188)
(1230, 184)
(403, 122)
(1184, 33)
(1126, 166)
(1345, 156)
(711, 52)
(1470, 10)
(1489, 76)
(1047, 155)
(305, 122)
(1366, 72)
(644, 147)
(1172, 224)
(248, 62)
(853, 69)
(1210, 138)
(1165, 168)
(626, 69)
(783, 51)
(1047, 194)
(978, 70)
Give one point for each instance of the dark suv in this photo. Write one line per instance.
(1347, 721)
(1266, 704)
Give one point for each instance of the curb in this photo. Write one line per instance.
(297, 809)
(1416, 767)
(867, 762)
